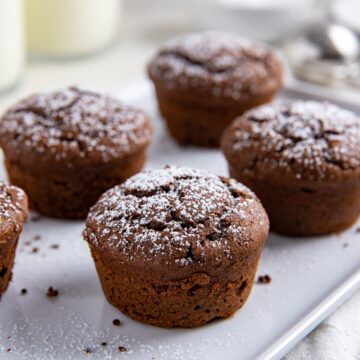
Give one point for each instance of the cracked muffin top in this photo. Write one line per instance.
(72, 127)
(13, 209)
(216, 64)
(301, 140)
(178, 218)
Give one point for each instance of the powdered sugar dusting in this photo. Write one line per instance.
(70, 336)
(309, 139)
(71, 124)
(13, 205)
(175, 215)
(225, 64)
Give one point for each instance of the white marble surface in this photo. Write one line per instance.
(144, 28)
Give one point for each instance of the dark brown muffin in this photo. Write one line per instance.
(303, 161)
(67, 147)
(203, 81)
(177, 247)
(13, 212)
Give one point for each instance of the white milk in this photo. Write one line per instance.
(12, 54)
(66, 28)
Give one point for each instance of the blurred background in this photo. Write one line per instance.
(103, 44)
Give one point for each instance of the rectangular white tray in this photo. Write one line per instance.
(310, 278)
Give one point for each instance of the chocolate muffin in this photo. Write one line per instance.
(177, 247)
(65, 148)
(13, 212)
(203, 81)
(303, 161)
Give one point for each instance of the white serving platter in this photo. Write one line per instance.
(310, 279)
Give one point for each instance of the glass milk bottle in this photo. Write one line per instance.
(12, 52)
(70, 28)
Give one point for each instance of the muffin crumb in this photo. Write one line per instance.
(51, 293)
(35, 218)
(264, 279)
(116, 322)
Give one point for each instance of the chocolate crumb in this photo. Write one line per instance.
(87, 351)
(52, 292)
(122, 349)
(264, 279)
(104, 343)
(116, 322)
(23, 292)
(35, 218)
(8, 350)
(35, 250)
(54, 246)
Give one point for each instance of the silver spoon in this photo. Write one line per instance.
(327, 53)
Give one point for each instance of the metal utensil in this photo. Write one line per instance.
(326, 53)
